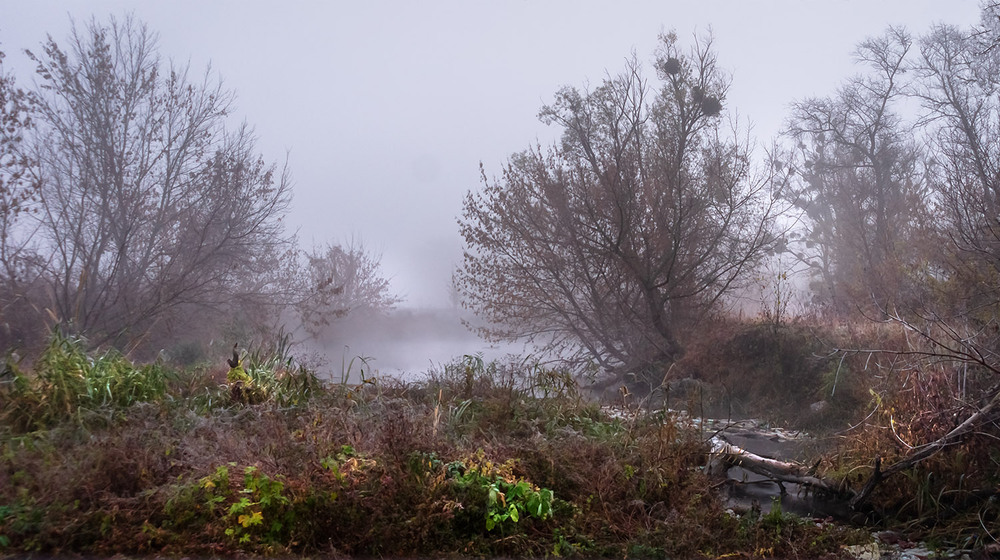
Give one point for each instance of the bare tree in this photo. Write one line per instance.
(960, 85)
(18, 189)
(987, 32)
(148, 202)
(860, 185)
(608, 245)
(955, 77)
(19, 269)
(342, 280)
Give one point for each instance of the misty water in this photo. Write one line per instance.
(748, 490)
(405, 343)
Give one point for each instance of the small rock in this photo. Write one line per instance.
(868, 551)
(818, 406)
(917, 553)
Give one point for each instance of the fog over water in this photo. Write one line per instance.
(385, 109)
(406, 343)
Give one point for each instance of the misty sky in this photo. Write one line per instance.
(385, 109)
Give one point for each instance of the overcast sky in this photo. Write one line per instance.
(386, 109)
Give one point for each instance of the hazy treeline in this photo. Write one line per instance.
(133, 210)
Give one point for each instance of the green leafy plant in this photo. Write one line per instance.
(243, 388)
(271, 373)
(511, 501)
(261, 513)
(256, 512)
(5, 512)
(275, 369)
(508, 499)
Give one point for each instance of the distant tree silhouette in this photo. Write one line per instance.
(342, 280)
(859, 184)
(19, 195)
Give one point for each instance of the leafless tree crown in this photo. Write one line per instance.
(645, 214)
(149, 202)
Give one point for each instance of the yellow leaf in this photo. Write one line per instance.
(248, 520)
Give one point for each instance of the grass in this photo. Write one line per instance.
(69, 384)
(99, 456)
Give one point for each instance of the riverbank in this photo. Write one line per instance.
(478, 459)
(99, 456)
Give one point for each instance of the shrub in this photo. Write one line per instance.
(68, 382)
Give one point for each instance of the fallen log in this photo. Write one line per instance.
(778, 471)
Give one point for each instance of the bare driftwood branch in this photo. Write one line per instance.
(779, 471)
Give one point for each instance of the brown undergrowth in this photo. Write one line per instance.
(478, 459)
(776, 372)
(869, 390)
(917, 394)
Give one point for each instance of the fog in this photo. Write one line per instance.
(404, 344)
(385, 110)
